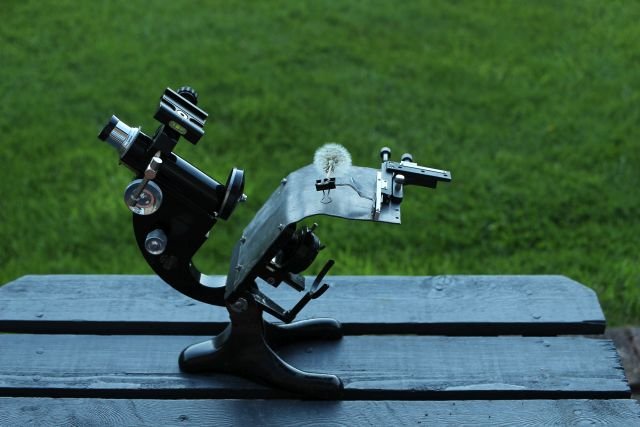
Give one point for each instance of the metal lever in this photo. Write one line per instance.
(149, 174)
(316, 290)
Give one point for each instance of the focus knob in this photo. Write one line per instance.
(188, 93)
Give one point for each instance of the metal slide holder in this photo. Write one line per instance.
(175, 205)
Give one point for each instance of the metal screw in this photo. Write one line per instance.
(238, 267)
(242, 198)
(243, 239)
(240, 305)
(284, 181)
(281, 227)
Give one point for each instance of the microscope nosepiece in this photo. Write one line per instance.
(119, 135)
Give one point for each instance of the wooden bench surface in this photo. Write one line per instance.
(249, 412)
(447, 305)
(449, 349)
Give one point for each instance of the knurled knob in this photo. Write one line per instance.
(188, 93)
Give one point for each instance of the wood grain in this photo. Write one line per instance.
(450, 305)
(372, 367)
(49, 412)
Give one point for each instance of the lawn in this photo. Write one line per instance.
(533, 106)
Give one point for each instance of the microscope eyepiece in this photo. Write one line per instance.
(119, 135)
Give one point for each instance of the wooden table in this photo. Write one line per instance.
(446, 350)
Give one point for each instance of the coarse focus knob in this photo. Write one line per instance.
(385, 153)
(406, 157)
(188, 93)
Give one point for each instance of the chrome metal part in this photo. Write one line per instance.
(119, 135)
(398, 181)
(156, 242)
(150, 173)
(380, 185)
(149, 200)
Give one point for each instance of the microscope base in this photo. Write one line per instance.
(243, 349)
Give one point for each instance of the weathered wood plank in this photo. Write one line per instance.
(46, 411)
(372, 367)
(450, 305)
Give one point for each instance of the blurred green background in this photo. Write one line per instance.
(533, 106)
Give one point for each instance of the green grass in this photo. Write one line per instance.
(533, 106)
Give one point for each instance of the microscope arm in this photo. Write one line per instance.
(185, 232)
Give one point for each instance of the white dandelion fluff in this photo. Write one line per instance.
(332, 159)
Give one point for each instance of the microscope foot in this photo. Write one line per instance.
(311, 329)
(241, 349)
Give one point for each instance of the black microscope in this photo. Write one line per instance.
(175, 205)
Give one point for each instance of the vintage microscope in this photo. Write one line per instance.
(175, 205)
